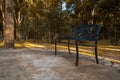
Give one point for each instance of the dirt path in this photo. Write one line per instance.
(38, 64)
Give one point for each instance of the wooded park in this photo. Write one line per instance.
(42, 20)
(30, 33)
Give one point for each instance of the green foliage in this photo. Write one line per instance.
(45, 19)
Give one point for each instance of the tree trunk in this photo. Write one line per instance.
(26, 38)
(114, 40)
(18, 21)
(9, 24)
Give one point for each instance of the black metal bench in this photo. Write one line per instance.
(82, 33)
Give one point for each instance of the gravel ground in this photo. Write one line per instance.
(38, 64)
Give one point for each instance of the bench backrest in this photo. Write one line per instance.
(85, 32)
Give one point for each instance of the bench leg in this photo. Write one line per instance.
(96, 55)
(55, 47)
(69, 47)
(77, 53)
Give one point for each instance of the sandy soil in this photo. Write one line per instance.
(38, 64)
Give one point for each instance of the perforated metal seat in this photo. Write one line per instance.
(82, 33)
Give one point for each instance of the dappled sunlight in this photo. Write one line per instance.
(81, 51)
(74, 49)
(1, 44)
(110, 49)
(109, 46)
(38, 45)
(31, 45)
(91, 53)
(18, 45)
(110, 53)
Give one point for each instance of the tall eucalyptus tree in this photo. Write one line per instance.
(9, 24)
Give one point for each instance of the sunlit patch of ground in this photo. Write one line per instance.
(1, 44)
(32, 45)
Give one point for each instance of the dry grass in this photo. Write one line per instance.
(107, 51)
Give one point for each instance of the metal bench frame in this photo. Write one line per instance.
(86, 32)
